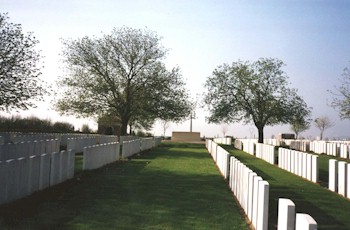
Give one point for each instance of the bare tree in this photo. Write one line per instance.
(323, 123)
(224, 129)
(165, 125)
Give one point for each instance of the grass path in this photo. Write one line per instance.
(330, 210)
(175, 186)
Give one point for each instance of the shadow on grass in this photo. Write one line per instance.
(166, 188)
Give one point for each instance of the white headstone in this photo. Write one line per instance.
(333, 179)
(342, 178)
(286, 214)
(314, 168)
(255, 200)
(305, 222)
(263, 206)
(44, 178)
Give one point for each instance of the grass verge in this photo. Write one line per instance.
(330, 210)
(175, 186)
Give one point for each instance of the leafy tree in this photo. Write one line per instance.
(341, 100)
(299, 125)
(323, 123)
(121, 74)
(252, 92)
(19, 71)
(301, 121)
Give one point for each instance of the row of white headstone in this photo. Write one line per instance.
(248, 145)
(222, 160)
(27, 149)
(335, 148)
(299, 163)
(320, 147)
(251, 191)
(300, 145)
(332, 148)
(223, 140)
(339, 177)
(77, 144)
(265, 152)
(23, 176)
(97, 156)
(16, 137)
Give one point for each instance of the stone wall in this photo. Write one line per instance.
(186, 136)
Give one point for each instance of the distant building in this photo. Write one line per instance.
(108, 125)
(286, 136)
(186, 136)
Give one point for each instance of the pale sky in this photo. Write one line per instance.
(311, 37)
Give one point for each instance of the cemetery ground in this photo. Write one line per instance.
(174, 186)
(329, 209)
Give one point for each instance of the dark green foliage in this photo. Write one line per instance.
(254, 92)
(121, 75)
(19, 70)
(33, 124)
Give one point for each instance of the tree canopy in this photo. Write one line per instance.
(299, 125)
(19, 70)
(255, 92)
(341, 100)
(122, 74)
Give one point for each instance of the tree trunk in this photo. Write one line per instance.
(261, 134)
(124, 127)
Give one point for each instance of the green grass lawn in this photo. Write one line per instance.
(175, 186)
(330, 210)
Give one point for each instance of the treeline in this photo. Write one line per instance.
(34, 124)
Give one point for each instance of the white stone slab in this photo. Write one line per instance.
(3, 182)
(333, 179)
(309, 167)
(286, 214)
(305, 222)
(263, 206)
(342, 174)
(12, 184)
(34, 174)
(255, 200)
(348, 180)
(250, 195)
(45, 165)
(314, 169)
